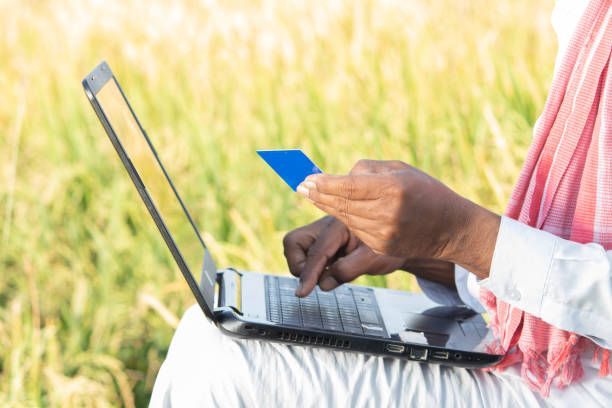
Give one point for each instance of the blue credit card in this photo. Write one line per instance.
(291, 165)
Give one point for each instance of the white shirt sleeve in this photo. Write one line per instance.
(566, 284)
(468, 289)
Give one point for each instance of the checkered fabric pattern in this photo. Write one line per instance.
(565, 188)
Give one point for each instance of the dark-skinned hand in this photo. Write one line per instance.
(400, 211)
(328, 253)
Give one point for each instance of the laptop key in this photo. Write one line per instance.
(368, 316)
(345, 309)
(333, 327)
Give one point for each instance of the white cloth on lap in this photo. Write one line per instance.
(205, 368)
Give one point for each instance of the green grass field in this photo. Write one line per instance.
(89, 295)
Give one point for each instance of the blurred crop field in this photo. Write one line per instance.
(89, 294)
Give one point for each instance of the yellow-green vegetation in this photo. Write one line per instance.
(89, 295)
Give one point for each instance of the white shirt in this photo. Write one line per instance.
(566, 284)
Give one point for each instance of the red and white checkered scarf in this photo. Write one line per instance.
(565, 188)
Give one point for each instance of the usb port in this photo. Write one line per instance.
(418, 353)
(440, 355)
(395, 348)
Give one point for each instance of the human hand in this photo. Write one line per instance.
(327, 253)
(400, 211)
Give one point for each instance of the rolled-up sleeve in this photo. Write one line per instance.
(566, 284)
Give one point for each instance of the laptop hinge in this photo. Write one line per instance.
(230, 294)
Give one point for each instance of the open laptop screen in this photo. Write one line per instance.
(166, 201)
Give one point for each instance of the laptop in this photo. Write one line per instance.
(245, 304)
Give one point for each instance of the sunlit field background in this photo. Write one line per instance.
(89, 294)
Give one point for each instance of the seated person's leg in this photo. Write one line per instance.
(204, 367)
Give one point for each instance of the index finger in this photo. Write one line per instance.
(351, 187)
(334, 237)
(297, 242)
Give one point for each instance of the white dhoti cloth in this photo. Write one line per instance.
(206, 368)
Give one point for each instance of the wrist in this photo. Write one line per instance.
(473, 242)
(431, 269)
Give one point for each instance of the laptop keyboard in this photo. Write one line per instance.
(346, 309)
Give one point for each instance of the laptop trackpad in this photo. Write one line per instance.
(431, 330)
(440, 326)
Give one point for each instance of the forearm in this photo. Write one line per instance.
(432, 270)
(474, 235)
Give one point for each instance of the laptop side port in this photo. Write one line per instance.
(440, 355)
(395, 348)
(418, 353)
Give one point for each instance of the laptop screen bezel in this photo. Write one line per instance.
(92, 84)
